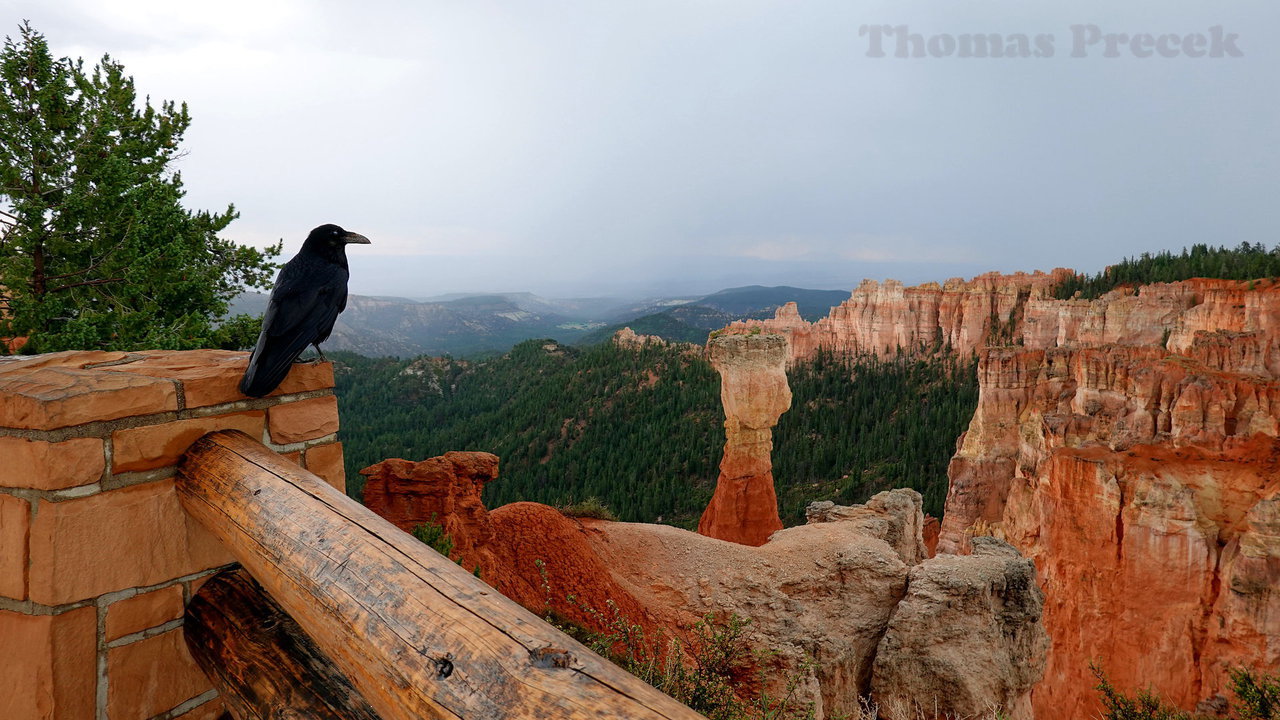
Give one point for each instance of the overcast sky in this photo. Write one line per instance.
(644, 147)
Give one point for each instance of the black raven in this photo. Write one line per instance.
(310, 291)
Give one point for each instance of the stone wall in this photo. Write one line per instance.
(97, 558)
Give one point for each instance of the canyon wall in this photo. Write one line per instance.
(1229, 324)
(879, 318)
(754, 393)
(1144, 484)
(1127, 444)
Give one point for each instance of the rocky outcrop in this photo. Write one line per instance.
(879, 318)
(444, 490)
(530, 552)
(833, 590)
(1144, 486)
(967, 636)
(628, 339)
(891, 516)
(821, 598)
(754, 392)
(1228, 324)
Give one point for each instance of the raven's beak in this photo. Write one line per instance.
(355, 239)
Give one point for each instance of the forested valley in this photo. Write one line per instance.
(641, 429)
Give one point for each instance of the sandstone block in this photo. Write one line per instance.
(151, 676)
(197, 583)
(303, 420)
(50, 466)
(131, 537)
(154, 446)
(212, 377)
(46, 398)
(15, 517)
(208, 377)
(48, 666)
(326, 461)
(74, 359)
(146, 610)
(305, 376)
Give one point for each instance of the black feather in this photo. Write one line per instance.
(310, 291)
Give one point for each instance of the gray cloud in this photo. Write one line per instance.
(573, 147)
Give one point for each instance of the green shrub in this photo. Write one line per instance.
(433, 535)
(592, 507)
(711, 673)
(1146, 705)
(1257, 698)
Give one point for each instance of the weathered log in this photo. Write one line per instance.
(262, 664)
(417, 635)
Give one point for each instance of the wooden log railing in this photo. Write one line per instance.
(262, 663)
(418, 636)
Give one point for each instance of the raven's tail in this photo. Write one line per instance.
(267, 369)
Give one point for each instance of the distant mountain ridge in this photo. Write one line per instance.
(691, 321)
(460, 324)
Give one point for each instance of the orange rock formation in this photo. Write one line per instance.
(1126, 444)
(1145, 487)
(967, 315)
(754, 392)
(530, 552)
(830, 590)
(878, 318)
(628, 339)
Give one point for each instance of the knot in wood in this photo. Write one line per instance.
(444, 665)
(551, 657)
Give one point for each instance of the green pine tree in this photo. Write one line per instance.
(97, 250)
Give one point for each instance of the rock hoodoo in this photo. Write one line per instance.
(754, 391)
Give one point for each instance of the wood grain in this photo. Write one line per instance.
(262, 664)
(418, 636)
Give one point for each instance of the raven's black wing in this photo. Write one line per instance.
(308, 296)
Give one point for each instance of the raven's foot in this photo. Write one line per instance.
(320, 353)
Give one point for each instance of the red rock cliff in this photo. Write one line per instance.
(1125, 444)
(1144, 486)
(879, 317)
(1191, 317)
(754, 392)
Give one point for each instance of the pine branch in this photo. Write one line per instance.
(97, 262)
(86, 283)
